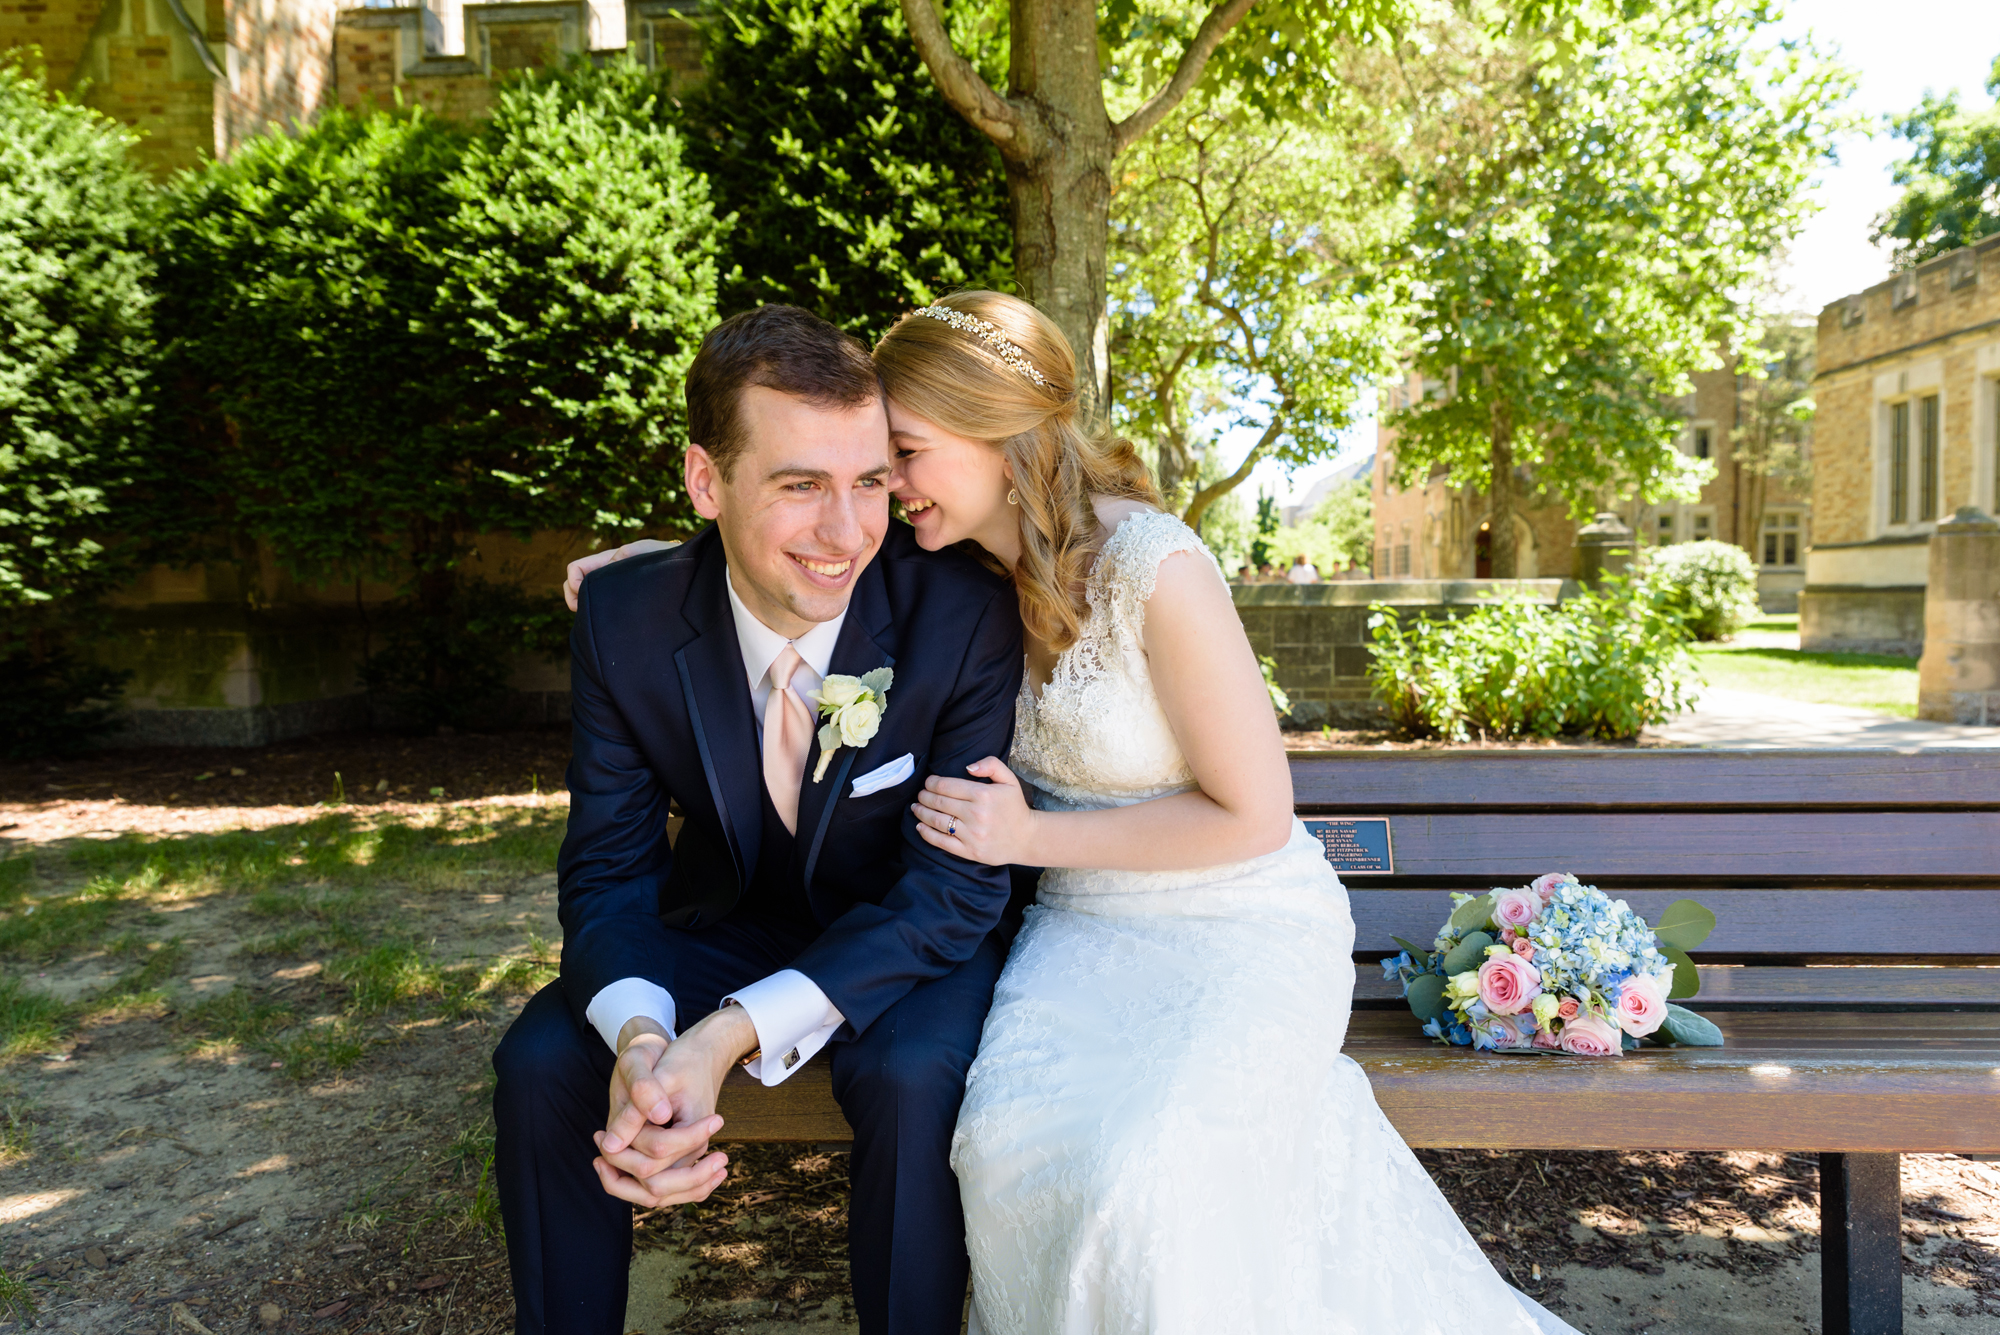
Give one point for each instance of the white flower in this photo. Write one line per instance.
(858, 722)
(838, 690)
(852, 708)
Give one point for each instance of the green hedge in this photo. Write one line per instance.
(1601, 665)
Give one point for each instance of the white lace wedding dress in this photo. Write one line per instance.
(1160, 1134)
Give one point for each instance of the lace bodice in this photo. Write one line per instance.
(1096, 735)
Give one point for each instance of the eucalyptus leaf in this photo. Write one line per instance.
(1684, 925)
(1687, 982)
(1427, 997)
(1689, 1030)
(829, 737)
(1417, 953)
(1473, 914)
(881, 678)
(1467, 954)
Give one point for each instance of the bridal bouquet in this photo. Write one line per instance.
(1557, 966)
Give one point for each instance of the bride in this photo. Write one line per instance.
(1159, 1133)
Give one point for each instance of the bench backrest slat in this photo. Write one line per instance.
(1577, 778)
(1750, 924)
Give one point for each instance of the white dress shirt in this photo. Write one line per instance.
(792, 1016)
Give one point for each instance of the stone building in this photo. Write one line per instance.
(1438, 531)
(198, 77)
(1908, 429)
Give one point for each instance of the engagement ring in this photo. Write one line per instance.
(952, 828)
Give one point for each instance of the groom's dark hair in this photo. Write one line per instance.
(779, 347)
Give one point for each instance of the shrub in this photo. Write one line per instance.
(1599, 665)
(399, 334)
(857, 192)
(77, 220)
(1712, 586)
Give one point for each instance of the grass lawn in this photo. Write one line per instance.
(1764, 658)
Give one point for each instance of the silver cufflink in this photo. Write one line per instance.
(791, 1059)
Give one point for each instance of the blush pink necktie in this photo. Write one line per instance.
(788, 731)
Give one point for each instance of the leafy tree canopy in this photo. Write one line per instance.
(857, 192)
(1951, 180)
(1570, 274)
(1243, 248)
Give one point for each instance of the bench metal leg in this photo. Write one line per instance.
(1861, 1244)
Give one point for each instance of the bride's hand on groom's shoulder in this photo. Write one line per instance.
(583, 565)
(990, 823)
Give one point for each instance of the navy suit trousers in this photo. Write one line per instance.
(569, 1244)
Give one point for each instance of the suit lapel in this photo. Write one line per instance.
(867, 641)
(718, 700)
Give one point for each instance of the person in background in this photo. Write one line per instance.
(1302, 571)
(1246, 573)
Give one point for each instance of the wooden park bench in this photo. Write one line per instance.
(1853, 971)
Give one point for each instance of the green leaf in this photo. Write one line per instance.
(1687, 981)
(1467, 954)
(829, 737)
(1473, 914)
(1417, 953)
(1684, 925)
(879, 680)
(1689, 1030)
(1427, 997)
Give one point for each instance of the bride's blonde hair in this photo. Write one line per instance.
(963, 381)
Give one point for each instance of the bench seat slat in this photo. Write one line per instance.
(1850, 923)
(1725, 988)
(1499, 848)
(1853, 1083)
(1580, 779)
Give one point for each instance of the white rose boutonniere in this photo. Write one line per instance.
(852, 708)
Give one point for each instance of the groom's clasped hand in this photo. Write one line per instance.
(653, 1150)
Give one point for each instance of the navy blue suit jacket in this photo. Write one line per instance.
(661, 711)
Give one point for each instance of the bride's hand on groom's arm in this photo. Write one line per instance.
(989, 823)
(583, 565)
(652, 1151)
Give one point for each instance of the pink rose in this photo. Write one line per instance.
(1546, 1040)
(1525, 948)
(1588, 1036)
(1546, 886)
(1567, 1011)
(1507, 983)
(1516, 908)
(1642, 1006)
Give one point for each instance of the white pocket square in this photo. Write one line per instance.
(891, 774)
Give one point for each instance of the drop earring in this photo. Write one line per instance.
(1013, 497)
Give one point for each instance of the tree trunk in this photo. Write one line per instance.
(1501, 544)
(1060, 148)
(1061, 191)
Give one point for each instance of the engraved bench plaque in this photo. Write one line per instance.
(1355, 845)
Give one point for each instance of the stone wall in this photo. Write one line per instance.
(1317, 634)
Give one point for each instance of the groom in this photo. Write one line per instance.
(792, 913)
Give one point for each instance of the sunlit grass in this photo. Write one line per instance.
(1878, 682)
(30, 1021)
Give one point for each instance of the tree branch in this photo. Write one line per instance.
(969, 95)
(1187, 73)
(1221, 487)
